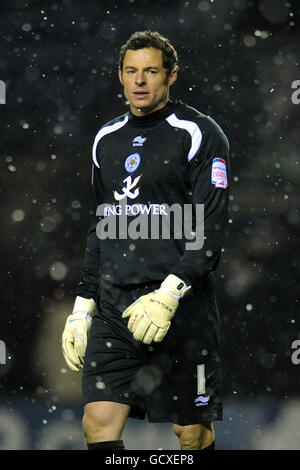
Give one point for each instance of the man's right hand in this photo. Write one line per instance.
(75, 334)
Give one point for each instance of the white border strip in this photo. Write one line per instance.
(193, 130)
(104, 131)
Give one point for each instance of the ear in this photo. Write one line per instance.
(120, 73)
(173, 77)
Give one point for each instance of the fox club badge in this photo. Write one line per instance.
(132, 162)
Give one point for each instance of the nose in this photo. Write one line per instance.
(140, 78)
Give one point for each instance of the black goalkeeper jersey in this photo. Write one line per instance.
(171, 165)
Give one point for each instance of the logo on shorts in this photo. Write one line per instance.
(132, 162)
(202, 400)
(218, 173)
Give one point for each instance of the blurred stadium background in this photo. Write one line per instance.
(58, 60)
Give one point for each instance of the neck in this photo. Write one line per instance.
(152, 118)
(146, 111)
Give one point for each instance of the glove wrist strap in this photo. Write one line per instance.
(175, 286)
(169, 292)
(84, 305)
(83, 315)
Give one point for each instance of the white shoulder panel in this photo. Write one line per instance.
(193, 130)
(104, 131)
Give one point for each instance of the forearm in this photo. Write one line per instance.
(90, 269)
(196, 264)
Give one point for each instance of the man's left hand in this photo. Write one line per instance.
(150, 316)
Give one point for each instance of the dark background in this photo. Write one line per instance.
(238, 60)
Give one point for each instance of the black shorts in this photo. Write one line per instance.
(177, 380)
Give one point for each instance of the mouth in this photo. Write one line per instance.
(140, 94)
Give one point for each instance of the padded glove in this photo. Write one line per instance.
(74, 337)
(150, 316)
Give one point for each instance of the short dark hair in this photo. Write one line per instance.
(143, 39)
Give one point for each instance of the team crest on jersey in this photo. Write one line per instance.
(138, 141)
(219, 173)
(132, 162)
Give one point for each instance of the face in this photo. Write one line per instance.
(145, 81)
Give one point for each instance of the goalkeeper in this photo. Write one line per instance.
(145, 324)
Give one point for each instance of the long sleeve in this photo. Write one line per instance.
(90, 268)
(209, 175)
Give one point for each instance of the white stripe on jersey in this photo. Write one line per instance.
(193, 130)
(104, 131)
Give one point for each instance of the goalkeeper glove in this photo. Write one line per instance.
(74, 337)
(150, 316)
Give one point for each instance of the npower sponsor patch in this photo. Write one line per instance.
(219, 173)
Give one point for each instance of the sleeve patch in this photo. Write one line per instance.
(219, 173)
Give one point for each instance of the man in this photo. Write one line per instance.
(147, 303)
